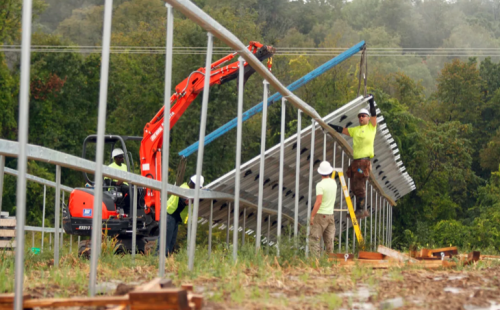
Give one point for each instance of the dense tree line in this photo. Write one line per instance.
(443, 111)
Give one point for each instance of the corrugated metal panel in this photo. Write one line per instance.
(388, 171)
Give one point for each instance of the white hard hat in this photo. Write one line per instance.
(325, 168)
(116, 152)
(364, 111)
(202, 180)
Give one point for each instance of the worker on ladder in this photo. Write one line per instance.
(322, 220)
(363, 137)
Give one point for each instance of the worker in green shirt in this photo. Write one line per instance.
(120, 186)
(177, 213)
(322, 220)
(363, 137)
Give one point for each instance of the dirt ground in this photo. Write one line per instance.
(269, 285)
(369, 289)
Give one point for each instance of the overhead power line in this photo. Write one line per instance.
(281, 51)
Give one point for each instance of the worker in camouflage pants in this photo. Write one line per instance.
(322, 220)
(363, 137)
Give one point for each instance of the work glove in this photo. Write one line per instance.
(337, 128)
(373, 111)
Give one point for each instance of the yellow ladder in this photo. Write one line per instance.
(348, 201)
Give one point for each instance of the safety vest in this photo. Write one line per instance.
(173, 204)
(123, 167)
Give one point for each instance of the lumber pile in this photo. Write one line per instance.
(387, 258)
(7, 233)
(157, 294)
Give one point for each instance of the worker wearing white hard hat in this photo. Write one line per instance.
(177, 213)
(363, 137)
(322, 220)
(120, 186)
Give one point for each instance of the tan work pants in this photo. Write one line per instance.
(323, 225)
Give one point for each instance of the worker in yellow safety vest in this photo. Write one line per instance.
(363, 137)
(120, 186)
(177, 213)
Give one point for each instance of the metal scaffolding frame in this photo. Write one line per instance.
(388, 180)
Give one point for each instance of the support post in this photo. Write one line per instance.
(297, 178)
(282, 159)
(210, 223)
(268, 233)
(165, 151)
(62, 230)
(134, 228)
(262, 163)
(189, 224)
(324, 145)
(237, 175)
(2, 171)
(43, 214)
(101, 128)
(244, 227)
(371, 215)
(57, 214)
(23, 158)
(201, 149)
(341, 207)
(309, 202)
(347, 215)
(228, 223)
(32, 239)
(375, 230)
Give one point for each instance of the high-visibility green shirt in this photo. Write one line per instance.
(363, 139)
(123, 167)
(328, 188)
(173, 203)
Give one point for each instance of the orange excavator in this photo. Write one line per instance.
(77, 215)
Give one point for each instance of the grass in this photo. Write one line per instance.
(254, 280)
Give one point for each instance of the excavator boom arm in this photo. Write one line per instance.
(185, 93)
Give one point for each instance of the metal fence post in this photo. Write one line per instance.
(57, 214)
(134, 227)
(268, 233)
(324, 145)
(22, 159)
(189, 223)
(166, 139)
(2, 170)
(371, 215)
(341, 207)
(201, 149)
(210, 223)
(228, 223)
(244, 226)
(62, 230)
(297, 177)
(261, 168)
(375, 230)
(237, 175)
(348, 214)
(101, 128)
(309, 201)
(43, 215)
(281, 167)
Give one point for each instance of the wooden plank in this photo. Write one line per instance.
(7, 300)
(6, 253)
(100, 301)
(7, 244)
(170, 298)
(384, 264)
(472, 257)
(196, 299)
(7, 233)
(449, 251)
(154, 284)
(370, 255)
(8, 222)
(340, 256)
(395, 254)
(490, 257)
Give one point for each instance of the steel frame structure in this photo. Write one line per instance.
(388, 180)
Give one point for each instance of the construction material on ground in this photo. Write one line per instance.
(395, 254)
(7, 233)
(156, 294)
